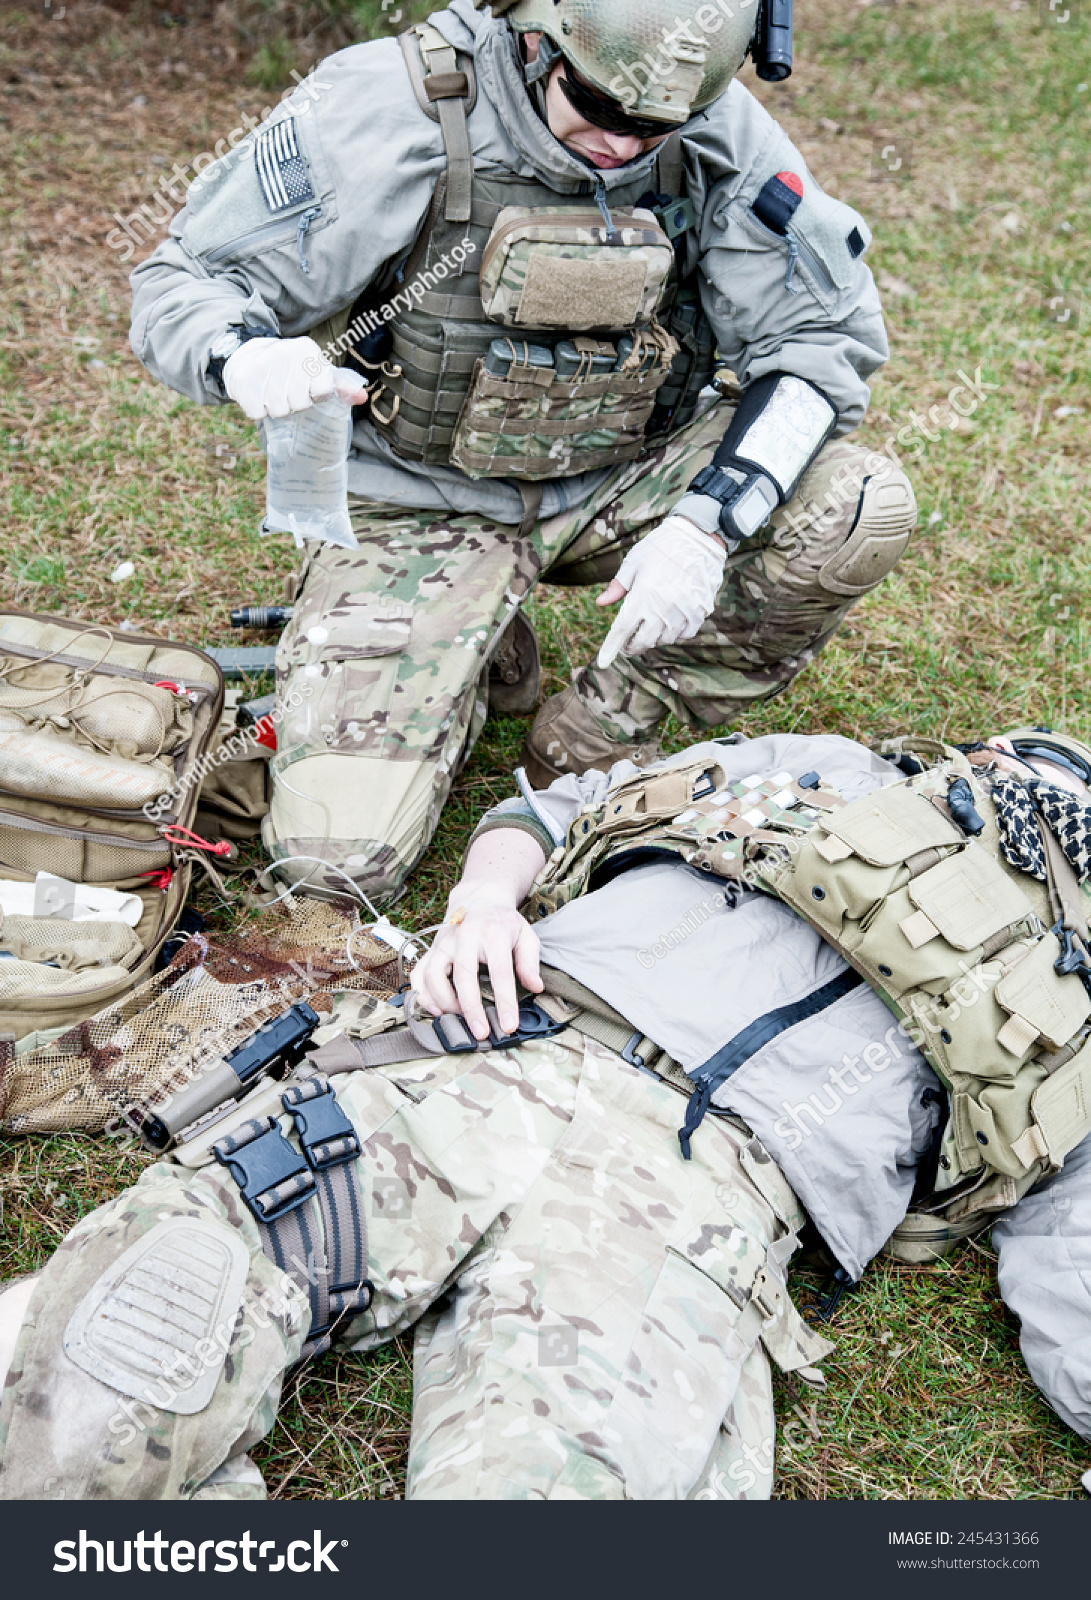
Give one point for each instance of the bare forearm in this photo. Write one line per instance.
(500, 865)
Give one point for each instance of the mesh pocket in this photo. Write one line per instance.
(30, 851)
(27, 980)
(71, 945)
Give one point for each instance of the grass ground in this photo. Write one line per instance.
(982, 239)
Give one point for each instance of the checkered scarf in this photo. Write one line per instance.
(1017, 801)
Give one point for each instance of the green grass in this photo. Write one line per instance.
(983, 625)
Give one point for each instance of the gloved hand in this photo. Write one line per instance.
(274, 377)
(672, 577)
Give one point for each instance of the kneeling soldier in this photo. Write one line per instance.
(530, 235)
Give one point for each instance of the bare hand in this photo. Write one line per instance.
(485, 930)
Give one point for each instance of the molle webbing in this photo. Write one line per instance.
(307, 1203)
(445, 85)
(440, 330)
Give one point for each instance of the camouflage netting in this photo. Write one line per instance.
(213, 994)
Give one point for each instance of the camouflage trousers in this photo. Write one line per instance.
(593, 1314)
(382, 672)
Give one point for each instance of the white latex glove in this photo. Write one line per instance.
(672, 577)
(274, 377)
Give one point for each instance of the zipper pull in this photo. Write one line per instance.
(793, 257)
(604, 206)
(187, 839)
(301, 233)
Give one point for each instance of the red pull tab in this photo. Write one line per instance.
(193, 841)
(167, 683)
(160, 879)
(265, 733)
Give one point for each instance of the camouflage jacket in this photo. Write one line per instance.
(286, 230)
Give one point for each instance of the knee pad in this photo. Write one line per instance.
(886, 514)
(151, 1353)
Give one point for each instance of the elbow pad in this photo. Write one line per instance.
(780, 425)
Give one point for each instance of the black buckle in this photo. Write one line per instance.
(1073, 956)
(262, 1164)
(453, 1034)
(534, 1023)
(960, 803)
(628, 1050)
(326, 1136)
(675, 217)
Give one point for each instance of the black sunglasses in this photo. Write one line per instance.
(604, 113)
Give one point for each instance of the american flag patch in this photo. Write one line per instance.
(282, 171)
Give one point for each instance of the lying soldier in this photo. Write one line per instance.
(585, 1203)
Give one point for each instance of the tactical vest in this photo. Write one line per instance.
(984, 967)
(499, 257)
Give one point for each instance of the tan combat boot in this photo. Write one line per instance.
(566, 738)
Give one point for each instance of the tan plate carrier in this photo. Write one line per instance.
(955, 941)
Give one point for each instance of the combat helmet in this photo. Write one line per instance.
(1060, 748)
(653, 57)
